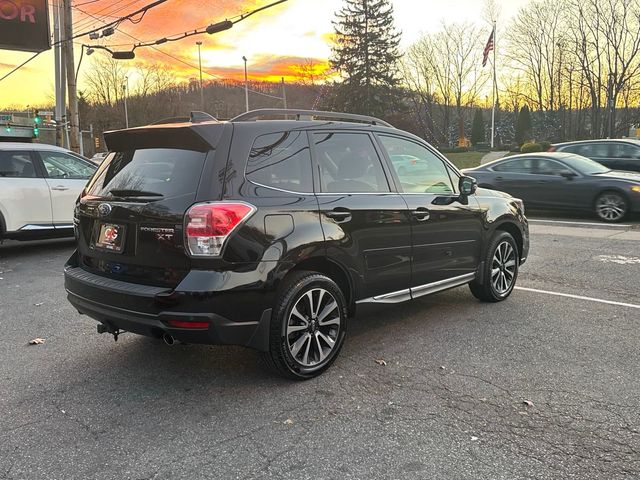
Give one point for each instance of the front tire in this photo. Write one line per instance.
(611, 207)
(308, 326)
(500, 271)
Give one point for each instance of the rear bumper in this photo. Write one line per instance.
(147, 310)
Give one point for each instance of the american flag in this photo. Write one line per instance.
(489, 47)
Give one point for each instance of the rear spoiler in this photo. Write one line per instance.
(199, 137)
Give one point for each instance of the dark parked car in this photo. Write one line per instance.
(270, 233)
(563, 181)
(623, 154)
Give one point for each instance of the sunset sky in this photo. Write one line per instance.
(275, 41)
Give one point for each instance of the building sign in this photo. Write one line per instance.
(24, 25)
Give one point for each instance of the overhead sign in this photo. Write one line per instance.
(24, 25)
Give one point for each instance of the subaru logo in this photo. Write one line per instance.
(104, 209)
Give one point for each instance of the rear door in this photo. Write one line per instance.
(516, 177)
(366, 223)
(446, 229)
(131, 218)
(66, 175)
(25, 201)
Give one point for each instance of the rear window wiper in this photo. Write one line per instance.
(133, 193)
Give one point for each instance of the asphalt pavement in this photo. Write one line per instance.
(540, 386)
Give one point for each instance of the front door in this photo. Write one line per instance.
(366, 225)
(66, 176)
(446, 229)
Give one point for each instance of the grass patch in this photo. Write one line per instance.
(466, 159)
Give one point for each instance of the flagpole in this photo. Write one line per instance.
(495, 86)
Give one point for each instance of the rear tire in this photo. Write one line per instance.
(500, 271)
(308, 326)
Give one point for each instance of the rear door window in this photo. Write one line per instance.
(152, 172)
(522, 165)
(16, 164)
(282, 161)
(349, 163)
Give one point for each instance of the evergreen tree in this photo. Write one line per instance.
(477, 128)
(366, 54)
(523, 126)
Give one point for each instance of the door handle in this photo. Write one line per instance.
(499, 178)
(421, 214)
(339, 214)
(60, 188)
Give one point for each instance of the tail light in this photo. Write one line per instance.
(208, 225)
(551, 149)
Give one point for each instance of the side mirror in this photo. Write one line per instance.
(568, 174)
(467, 186)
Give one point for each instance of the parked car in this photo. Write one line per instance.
(270, 233)
(99, 157)
(563, 181)
(39, 186)
(615, 154)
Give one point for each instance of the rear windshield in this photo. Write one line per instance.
(153, 172)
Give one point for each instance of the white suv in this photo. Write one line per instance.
(39, 185)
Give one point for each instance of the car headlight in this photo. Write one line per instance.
(635, 188)
(520, 204)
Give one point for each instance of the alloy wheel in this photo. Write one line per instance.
(503, 268)
(611, 207)
(313, 327)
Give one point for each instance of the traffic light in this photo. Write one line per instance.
(37, 121)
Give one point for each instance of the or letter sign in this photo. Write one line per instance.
(24, 25)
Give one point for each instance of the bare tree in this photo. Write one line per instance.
(104, 80)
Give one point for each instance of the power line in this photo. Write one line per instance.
(20, 66)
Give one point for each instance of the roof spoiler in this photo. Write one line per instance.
(194, 117)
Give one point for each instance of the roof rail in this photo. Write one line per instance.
(194, 117)
(308, 115)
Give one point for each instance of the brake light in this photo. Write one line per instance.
(208, 225)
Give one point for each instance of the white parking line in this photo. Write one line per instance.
(579, 297)
(564, 222)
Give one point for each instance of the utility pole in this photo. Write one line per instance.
(199, 44)
(60, 69)
(125, 90)
(284, 94)
(74, 120)
(246, 85)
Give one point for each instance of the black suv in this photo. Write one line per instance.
(269, 233)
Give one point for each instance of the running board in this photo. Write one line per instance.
(416, 292)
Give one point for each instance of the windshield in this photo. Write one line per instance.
(152, 172)
(585, 165)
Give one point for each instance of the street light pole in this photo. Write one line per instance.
(246, 85)
(199, 44)
(125, 88)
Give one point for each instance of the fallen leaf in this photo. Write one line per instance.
(36, 341)
(473, 439)
(528, 403)
(288, 421)
(442, 367)
(381, 362)
(38, 304)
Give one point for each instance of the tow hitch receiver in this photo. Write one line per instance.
(106, 328)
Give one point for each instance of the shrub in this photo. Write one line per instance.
(445, 149)
(531, 148)
(545, 146)
(460, 149)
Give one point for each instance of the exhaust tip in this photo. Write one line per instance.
(168, 339)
